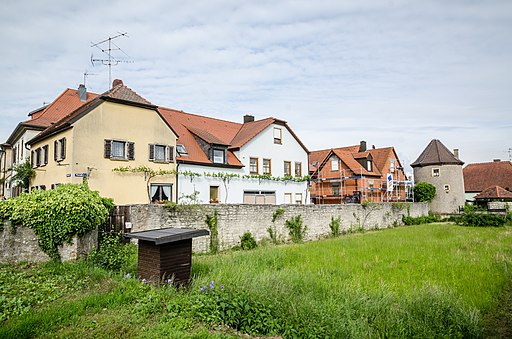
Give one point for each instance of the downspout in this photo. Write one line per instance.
(30, 157)
(3, 169)
(177, 175)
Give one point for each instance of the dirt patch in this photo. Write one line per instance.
(498, 324)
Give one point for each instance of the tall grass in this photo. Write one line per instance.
(422, 281)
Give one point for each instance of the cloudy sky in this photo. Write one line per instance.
(393, 73)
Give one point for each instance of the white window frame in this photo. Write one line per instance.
(278, 136)
(335, 164)
(436, 172)
(216, 158)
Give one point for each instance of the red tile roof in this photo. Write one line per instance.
(436, 154)
(319, 156)
(478, 177)
(249, 130)
(494, 192)
(66, 102)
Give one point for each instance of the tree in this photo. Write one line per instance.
(424, 192)
(23, 173)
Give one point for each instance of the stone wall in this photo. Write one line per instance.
(499, 205)
(20, 244)
(235, 219)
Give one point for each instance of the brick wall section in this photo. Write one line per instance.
(235, 219)
(21, 245)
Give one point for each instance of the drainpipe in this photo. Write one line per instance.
(177, 175)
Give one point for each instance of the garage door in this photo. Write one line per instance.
(260, 197)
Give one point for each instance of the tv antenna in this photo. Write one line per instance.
(86, 74)
(107, 46)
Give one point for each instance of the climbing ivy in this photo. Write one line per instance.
(211, 221)
(57, 215)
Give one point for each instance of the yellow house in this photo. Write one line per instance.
(116, 130)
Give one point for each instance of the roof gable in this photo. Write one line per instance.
(436, 154)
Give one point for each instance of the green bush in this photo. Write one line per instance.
(334, 225)
(112, 254)
(57, 215)
(424, 192)
(247, 241)
(472, 218)
(425, 219)
(295, 228)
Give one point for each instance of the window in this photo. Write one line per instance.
(214, 194)
(260, 197)
(369, 165)
(336, 189)
(119, 150)
(392, 165)
(44, 157)
(59, 149)
(278, 136)
(288, 170)
(160, 193)
(298, 198)
(161, 153)
(334, 164)
(181, 150)
(287, 198)
(219, 156)
(446, 188)
(253, 166)
(36, 157)
(267, 169)
(298, 169)
(435, 172)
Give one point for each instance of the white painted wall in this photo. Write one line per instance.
(262, 146)
(20, 155)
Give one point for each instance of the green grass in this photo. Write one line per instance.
(435, 280)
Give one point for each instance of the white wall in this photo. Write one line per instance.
(262, 146)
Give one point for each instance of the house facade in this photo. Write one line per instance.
(480, 176)
(443, 169)
(257, 162)
(354, 174)
(17, 144)
(116, 142)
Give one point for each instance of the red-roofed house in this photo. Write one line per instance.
(14, 150)
(480, 176)
(354, 174)
(117, 129)
(257, 162)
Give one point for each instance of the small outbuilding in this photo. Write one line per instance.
(494, 194)
(166, 253)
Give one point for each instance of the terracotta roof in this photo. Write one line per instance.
(250, 130)
(436, 154)
(381, 156)
(494, 192)
(119, 93)
(319, 156)
(209, 128)
(354, 165)
(65, 103)
(478, 177)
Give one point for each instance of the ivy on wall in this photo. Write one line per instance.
(57, 215)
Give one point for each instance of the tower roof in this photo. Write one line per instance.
(436, 154)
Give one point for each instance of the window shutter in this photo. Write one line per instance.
(55, 144)
(131, 151)
(170, 153)
(63, 149)
(151, 152)
(108, 149)
(45, 150)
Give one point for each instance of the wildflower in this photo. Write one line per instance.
(144, 280)
(221, 287)
(211, 285)
(127, 276)
(169, 281)
(203, 288)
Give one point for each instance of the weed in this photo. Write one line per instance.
(247, 241)
(334, 225)
(296, 230)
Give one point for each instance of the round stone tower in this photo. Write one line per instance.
(441, 168)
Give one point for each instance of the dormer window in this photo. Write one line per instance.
(219, 156)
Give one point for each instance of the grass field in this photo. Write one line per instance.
(435, 280)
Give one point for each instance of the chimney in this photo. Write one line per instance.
(362, 146)
(117, 82)
(82, 92)
(248, 118)
(456, 153)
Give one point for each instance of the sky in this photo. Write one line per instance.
(392, 73)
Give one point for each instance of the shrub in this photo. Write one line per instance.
(295, 228)
(334, 225)
(112, 254)
(472, 218)
(57, 215)
(424, 219)
(247, 241)
(424, 192)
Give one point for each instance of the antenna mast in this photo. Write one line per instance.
(107, 46)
